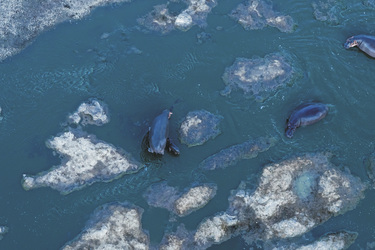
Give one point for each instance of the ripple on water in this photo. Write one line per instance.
(329, 11)
(179, 70)
(369, 3)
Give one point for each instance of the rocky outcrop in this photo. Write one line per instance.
(292, 197)
(257, 14)
(198, 127)
(161, 20)
(258, 77)
(113, 226)
(85, 160)
(22, 20)
(180, 203)
(92, 112)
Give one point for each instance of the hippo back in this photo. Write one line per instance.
(368, 45)
(305, 114)
(159, 133)
(313, 113)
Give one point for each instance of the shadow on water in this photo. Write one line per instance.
(148, 158)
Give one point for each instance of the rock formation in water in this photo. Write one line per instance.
(370, 168)
(172, 242)
(182, 204)
(161, 20)
(195, 14)
(85, 160)
(339, 241)
(113, 226)
(217, 229)
(257, 14)
(92, 112)
(258, 78)
(329, 11)
(198, 127)
(195, 198)
(3, 230)
(179, 240)
(22, 20)
(293, 196)
(231, 155)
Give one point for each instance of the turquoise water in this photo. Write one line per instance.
(72, 62)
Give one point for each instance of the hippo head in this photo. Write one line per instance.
(289, 131)
(350, 42)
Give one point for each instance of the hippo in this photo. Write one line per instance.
(363, 42)
(158, 135)
(305, 114)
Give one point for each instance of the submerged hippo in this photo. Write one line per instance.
(363, 42)
(158, 135)
(305, 114)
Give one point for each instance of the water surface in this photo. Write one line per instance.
(139, 73)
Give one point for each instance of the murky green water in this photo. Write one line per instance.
(74, 61)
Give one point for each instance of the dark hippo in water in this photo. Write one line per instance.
(158, 135)
(305, 114)
(363, 42)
